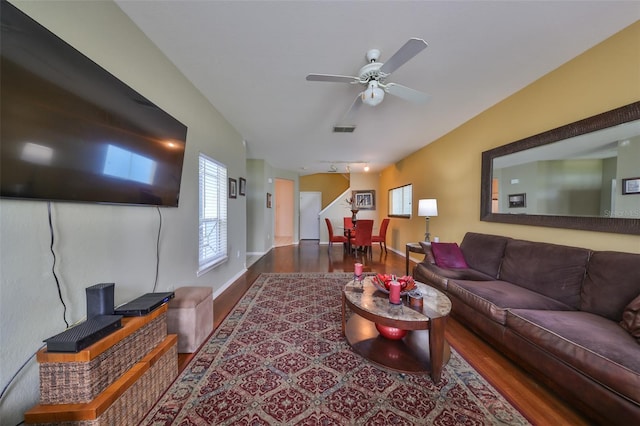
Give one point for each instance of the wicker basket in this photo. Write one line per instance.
(81, 382)
(131, 407)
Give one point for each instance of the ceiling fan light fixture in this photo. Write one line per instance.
(373, 94)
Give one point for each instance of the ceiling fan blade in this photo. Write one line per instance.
(410, 49)
(348, 119)
(406, 93)
(333, 78)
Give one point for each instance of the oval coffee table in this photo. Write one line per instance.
(424, 348)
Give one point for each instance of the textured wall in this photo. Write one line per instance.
(98, 243)
(603, 78)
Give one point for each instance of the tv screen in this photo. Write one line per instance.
(71, 131)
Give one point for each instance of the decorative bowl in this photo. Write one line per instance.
(381, 281)
(390, 333)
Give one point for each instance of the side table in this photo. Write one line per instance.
(412, 248)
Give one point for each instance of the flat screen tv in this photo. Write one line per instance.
(71, 131)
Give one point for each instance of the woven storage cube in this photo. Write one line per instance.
(190, 316)
(80, 382)
(134, 403)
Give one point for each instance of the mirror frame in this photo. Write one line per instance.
(611, 118)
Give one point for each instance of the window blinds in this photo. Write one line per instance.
(212, 229)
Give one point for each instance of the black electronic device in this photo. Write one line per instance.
(84, 334)
(71, 131)
(144, 304)
(100, 299)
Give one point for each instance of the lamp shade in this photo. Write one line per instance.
(428, 207)
(373, 94)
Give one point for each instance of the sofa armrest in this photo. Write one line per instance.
(425, 272)
(428, 254)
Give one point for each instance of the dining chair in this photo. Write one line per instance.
(335, 238)
(348, 223)
(382, 235)
(362, 237)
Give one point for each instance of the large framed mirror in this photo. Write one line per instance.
(576, 176)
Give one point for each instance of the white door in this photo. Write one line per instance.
(310, 206)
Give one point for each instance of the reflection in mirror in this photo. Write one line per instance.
(573, 177)
(570, 177)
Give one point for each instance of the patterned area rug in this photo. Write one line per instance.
(280, 358)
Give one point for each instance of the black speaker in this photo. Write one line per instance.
(100, 300)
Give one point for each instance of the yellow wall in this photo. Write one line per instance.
(330, 184)
(604, 77)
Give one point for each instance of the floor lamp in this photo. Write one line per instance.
(427, 208)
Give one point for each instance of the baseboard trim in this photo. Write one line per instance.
(228, 284)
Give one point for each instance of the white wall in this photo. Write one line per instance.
(339, 208)
(260, 219)
(96, 243)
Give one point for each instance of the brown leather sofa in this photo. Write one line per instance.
(555, 310)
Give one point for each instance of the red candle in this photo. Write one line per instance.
(394, 292)
(358, 269)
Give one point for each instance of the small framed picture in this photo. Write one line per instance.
(233, 188)
(268, 200)
(517, 200)
(631, 186)
(364, 200)
(243, 186)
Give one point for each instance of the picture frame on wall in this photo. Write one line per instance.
(268, 200)
(243, 187)
(233, 188)
(517, 200)
(364, 200)
(631, 186)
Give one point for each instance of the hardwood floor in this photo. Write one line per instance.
(539, 405)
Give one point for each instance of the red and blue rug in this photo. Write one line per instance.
(279, 358)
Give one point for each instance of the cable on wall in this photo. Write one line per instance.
(155, 284)
(4, 389)
(53, 267)
(64, 314)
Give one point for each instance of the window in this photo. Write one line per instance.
(400, 201)
(212, 229)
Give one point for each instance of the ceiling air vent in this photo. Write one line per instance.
(343, 129)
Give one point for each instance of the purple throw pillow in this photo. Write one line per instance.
(631, 318)
(448, 255)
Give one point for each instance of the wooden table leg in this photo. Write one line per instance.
(344, 314)
(436, 347)
(407, 262)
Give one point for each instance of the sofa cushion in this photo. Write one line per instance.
(594, 345)
(448, 255)
(612, 281)
(484, 252)
(432, 274)
(631, 318)
(494, 298)
(553, 270)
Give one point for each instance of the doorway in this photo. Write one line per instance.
(310, 206)
(284, 208)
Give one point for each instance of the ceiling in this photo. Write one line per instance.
(250, 59)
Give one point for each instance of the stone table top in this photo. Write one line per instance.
(367, 297)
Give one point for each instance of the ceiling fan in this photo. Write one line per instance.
(374, 74)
